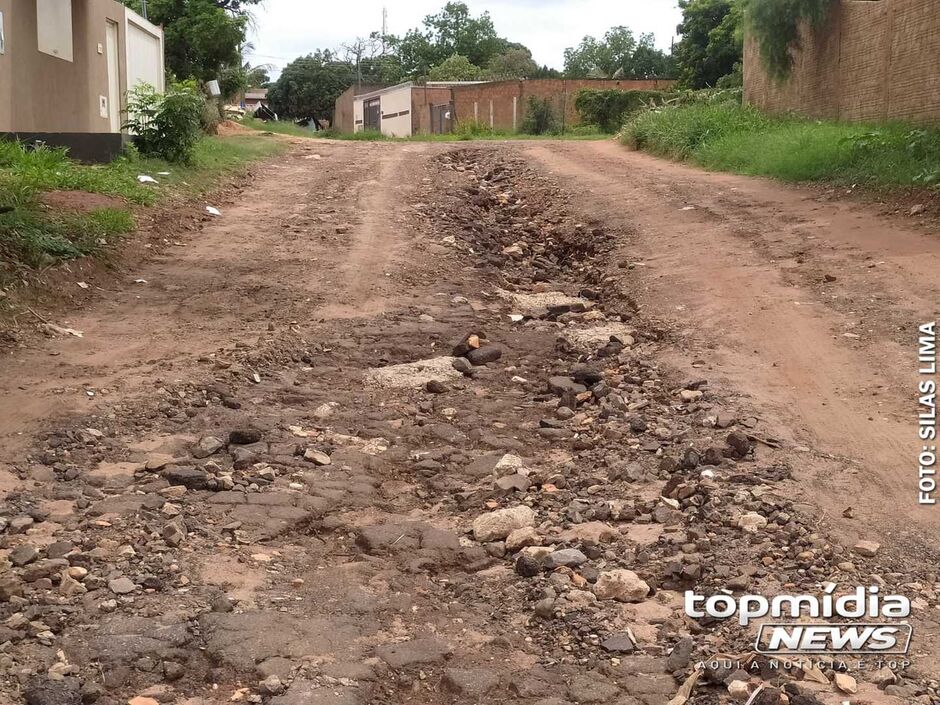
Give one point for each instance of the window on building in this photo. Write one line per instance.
(54, 27)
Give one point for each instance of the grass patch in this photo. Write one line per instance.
(34, 236)
(464, 131)
(729, 137)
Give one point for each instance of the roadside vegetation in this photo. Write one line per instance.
(34, 235)
(726, 136)
(465, 130)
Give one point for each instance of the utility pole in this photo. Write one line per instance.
(384, 27)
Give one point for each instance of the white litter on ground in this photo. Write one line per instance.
(144, 179)
(413, 374)
(212, 210)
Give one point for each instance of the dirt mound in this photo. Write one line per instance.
(230, 127)
(80, 201)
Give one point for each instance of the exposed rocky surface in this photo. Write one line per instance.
(409, 509)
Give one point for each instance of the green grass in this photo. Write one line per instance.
(729, 137)
(465, 132)
(34, 236)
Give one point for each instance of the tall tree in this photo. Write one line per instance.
(202, 37)
(309, 86)
(455, 68)
(451, 31)
(619, 54)
(372, 60)
(514, 63)
(711, 41)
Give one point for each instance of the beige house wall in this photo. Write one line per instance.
(396, 112)
(48, 94)
(6, 70)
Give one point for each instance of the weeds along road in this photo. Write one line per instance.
(237, 485)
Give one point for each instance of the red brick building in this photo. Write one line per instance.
(502, 104)
(437, 107)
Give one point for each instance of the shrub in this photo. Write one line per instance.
(735, 79)
(210, 117)
(679, 130)
(472, 129)
(609, 109)
(730, 137)
(540, 118)
(166, 126)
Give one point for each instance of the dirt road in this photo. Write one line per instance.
(238, 485)
(740, 266)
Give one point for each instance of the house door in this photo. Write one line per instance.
(372, 114)
(114, 78)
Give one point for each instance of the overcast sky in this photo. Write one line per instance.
(286, 29)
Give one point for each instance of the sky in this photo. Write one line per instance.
(286, 29)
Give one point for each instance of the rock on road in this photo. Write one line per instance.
(431, 423)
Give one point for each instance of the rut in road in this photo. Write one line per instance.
(808, 306)
(279, 518)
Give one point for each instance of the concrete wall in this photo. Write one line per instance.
(502, 104)
(396, 112)
(873, 60)
(49, 94)
(357, 115)
(344, 118)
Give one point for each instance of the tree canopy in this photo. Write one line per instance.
(619, 54)
(309, 86)
(513, 63)
(202, 37)
(711, 42)
(455, 68)
(452, 31)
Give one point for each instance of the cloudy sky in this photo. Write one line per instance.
(286, 29)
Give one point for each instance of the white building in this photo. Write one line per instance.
(387, 110)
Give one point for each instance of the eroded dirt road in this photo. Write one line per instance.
(228, 490)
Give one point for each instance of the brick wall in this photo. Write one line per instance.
(422, 99)
(343, 119)
(492, 103)
(873, 60)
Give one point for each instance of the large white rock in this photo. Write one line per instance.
(752, 522)
(499, 524)
(621, 585)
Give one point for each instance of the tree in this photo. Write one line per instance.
(455, 68)
(201, 37)
(711, 41)
(451, 31)
(514, 63)
(650, 62)
(372, 61)
(546, 71)
(309, 86)
(258, 76)
(617, 55)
